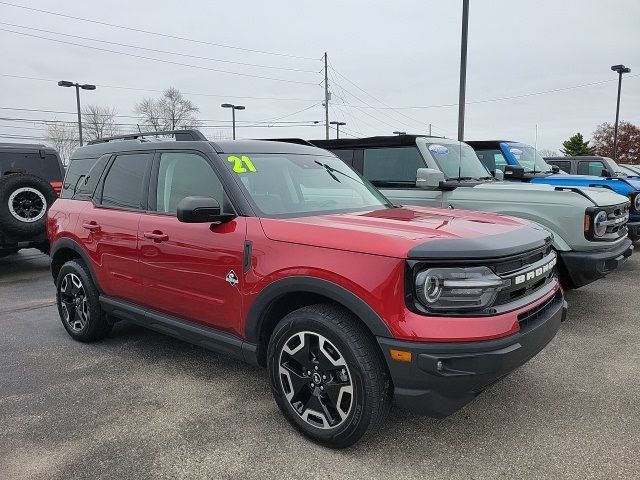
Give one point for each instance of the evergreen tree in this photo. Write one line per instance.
(576, 146)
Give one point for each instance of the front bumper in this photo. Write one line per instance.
(443, 377)
(586, 267)
(634, 231)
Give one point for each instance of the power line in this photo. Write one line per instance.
(160, 60)
(149, 32)
(155, 50)
(119, 87)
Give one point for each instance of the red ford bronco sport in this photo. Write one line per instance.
(281, 255)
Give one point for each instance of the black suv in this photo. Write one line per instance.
(30, 180)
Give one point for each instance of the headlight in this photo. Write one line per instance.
(600, 223)
(447, 289)
(635, 201)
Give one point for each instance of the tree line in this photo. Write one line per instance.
(171, 111)
(602, 143)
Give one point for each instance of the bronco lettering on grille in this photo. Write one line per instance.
(533, 274)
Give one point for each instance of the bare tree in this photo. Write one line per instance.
(99, 121)
(169, 112)
(63, 137)
(548, 153)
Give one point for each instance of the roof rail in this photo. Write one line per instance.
(180, 135)
(299, 141)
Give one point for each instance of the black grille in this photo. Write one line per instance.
(529, 318)
(518, 272)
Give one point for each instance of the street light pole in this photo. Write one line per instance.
(78, 86)
(620, 69)
(233, 114)
(337, 124)
(463, 68)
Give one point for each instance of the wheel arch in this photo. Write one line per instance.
(288, 294)
(66, 249)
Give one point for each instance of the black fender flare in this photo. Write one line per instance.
(305, 284)
(69, 244)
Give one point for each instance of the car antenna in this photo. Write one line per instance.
(535, 150)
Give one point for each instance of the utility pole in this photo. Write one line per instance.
(463, 68)
(326, 96)
(78, 86)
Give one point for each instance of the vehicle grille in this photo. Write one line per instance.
(618, 212)
(526, 274)
(530, 318)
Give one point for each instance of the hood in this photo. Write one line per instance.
(396, 232)
(598, 196)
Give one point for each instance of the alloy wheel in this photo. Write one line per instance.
(27, 204)
(315, 379)
(73, 301)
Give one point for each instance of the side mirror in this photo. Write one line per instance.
(513, 171)
(606, 173)
(202, 210)
(429, 178)
(498, 175)
(555, 168)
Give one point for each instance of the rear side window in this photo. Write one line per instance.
(125, 185)
(590, 168)
(47, 168)
(392, 165)
(563, 165)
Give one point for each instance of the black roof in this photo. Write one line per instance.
(126, 143)
(581, 157)
(382, 141)
(27, 147)
(488, 143)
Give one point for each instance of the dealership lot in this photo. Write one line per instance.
(143, 405)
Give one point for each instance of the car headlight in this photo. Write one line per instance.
(448, 289)
(635, 202)
(600, 223)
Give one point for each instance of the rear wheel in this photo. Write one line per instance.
(328, 376)
(78, 303)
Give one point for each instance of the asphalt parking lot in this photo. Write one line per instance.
(142, 405)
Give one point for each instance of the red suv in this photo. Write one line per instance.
(279, 254)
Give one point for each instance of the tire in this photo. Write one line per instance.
(328, 376)
(79, 305)
(6, 253)
(24, 201)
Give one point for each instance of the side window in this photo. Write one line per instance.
(492, 159)
(183, 175)
(124, 185)
(395, 164)
(563, 165)
(590, 168)
(345, 155)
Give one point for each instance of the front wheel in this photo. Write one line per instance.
(328, 376)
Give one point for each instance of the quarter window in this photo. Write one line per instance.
(124, 185)
(185, 175)
(562, 165)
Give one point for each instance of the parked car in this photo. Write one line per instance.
(420, 170)
(634, 168)
(522, 163)
(30, 180)
(283, 256)
(587, 165)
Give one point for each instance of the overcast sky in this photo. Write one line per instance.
(384, 54)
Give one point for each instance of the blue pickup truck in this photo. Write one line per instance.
(521, 162)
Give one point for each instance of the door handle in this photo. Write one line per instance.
(92, 226)
(156, 236)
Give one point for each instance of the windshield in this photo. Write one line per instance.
(455, 159)
(527, 157)
(287, 185)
